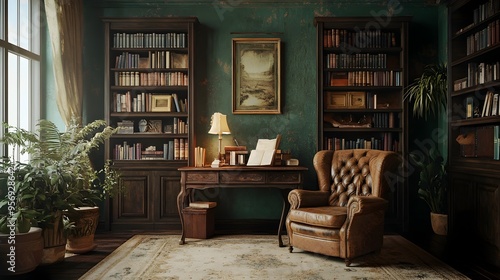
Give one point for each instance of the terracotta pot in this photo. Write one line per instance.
(54, 241)
(27, 253)
(439, 223)
(81, 237)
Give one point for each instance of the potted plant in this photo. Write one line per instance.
(433, 188)
(21, 245)
(60, 171)
(428, 97)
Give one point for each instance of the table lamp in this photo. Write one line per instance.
(219, 127)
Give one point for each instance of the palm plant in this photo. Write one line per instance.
(428, 92)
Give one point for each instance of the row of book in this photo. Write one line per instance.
(149, 40)
(359, 60)
(384, 120)
(175, 149)
(485, 10)
(143, 102)
(387, 143)
(154, 60)
(490, 105)
(364, 78)
(174, 126)
(477, 74)
(151, 79)
(348, 39)
(487, 37)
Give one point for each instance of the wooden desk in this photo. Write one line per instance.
(284, 178)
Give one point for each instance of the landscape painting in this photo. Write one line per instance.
(256, 76)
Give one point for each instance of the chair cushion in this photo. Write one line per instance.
(325, 216)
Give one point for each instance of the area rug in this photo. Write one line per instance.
(259, 257)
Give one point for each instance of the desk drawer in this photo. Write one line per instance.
(201, 177)
(242, 177)
(284, 177)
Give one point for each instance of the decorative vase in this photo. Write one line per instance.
(23, 256)
(439, 223)
(81, 236)
(54, 241)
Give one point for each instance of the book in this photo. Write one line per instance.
(263, 154)
(203, 204)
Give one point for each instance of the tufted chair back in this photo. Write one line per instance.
(351, 173)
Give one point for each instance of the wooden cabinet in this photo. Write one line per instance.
(362, 72)
(474, 121)
(149, 95)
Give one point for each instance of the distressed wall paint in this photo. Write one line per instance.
(292, 22)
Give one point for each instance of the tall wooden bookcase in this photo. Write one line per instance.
(362, 71)
(474, 165)
(149, 94)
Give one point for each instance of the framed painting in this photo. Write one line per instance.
(256, 76)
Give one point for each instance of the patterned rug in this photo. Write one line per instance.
(259, 257)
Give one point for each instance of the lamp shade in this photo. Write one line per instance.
(219, 124)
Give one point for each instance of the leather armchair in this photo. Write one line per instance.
(345, 217)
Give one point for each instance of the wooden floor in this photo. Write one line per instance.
(75, 266)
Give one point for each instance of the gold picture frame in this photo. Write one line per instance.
(357, 99)
(335, 100)
(256, 76)
(161, 103)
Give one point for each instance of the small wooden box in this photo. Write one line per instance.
(199, 222)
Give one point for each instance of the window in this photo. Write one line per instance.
(19, 65)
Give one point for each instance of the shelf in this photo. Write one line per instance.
(476, 121)
(475, 89)
(361, 88)
(149, 88)
(472, 28)
(474, 56)
(386, 110)
(148, 114)
(362, 69)
(149, 70)
(362, 50)
(361, 129)
(138, 135)
(145, 50)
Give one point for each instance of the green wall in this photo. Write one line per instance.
(289, 20)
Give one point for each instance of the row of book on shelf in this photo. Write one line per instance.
(357, 60)
(148, 102)
(485, 10)
(490, 106)
(134, 78)
(344, 38)
(364, 78)
(487, 37)
(155, 59)
(175, 126)
(478, 74)
(174, 149)
(149, 40)
(387, 143)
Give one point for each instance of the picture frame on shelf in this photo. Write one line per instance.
(256, 75)
(357, 99)
(154, 126)
(161, 103)
(335, 100)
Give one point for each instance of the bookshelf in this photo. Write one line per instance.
(149, 89)
(362, 72)
(474, 121)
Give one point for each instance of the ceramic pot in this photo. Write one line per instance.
(439, 223)
(54, 241)
(81, 237)
(23, 256)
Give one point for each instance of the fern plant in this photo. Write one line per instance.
(59, 175)
(427, 93)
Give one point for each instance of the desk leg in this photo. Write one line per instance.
(286, 208)
(181, 203)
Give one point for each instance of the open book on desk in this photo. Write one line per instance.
(264, 152)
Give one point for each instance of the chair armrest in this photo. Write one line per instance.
(299, 198)
(359, 205)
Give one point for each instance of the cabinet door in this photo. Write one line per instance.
(168, 183)
(133, 204)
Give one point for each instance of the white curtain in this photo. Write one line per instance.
(64, 18)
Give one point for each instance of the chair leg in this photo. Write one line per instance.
(290, 249)
(347, 262)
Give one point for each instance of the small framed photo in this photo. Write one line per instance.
(161, 103)
(335, 100)
(357, 99)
